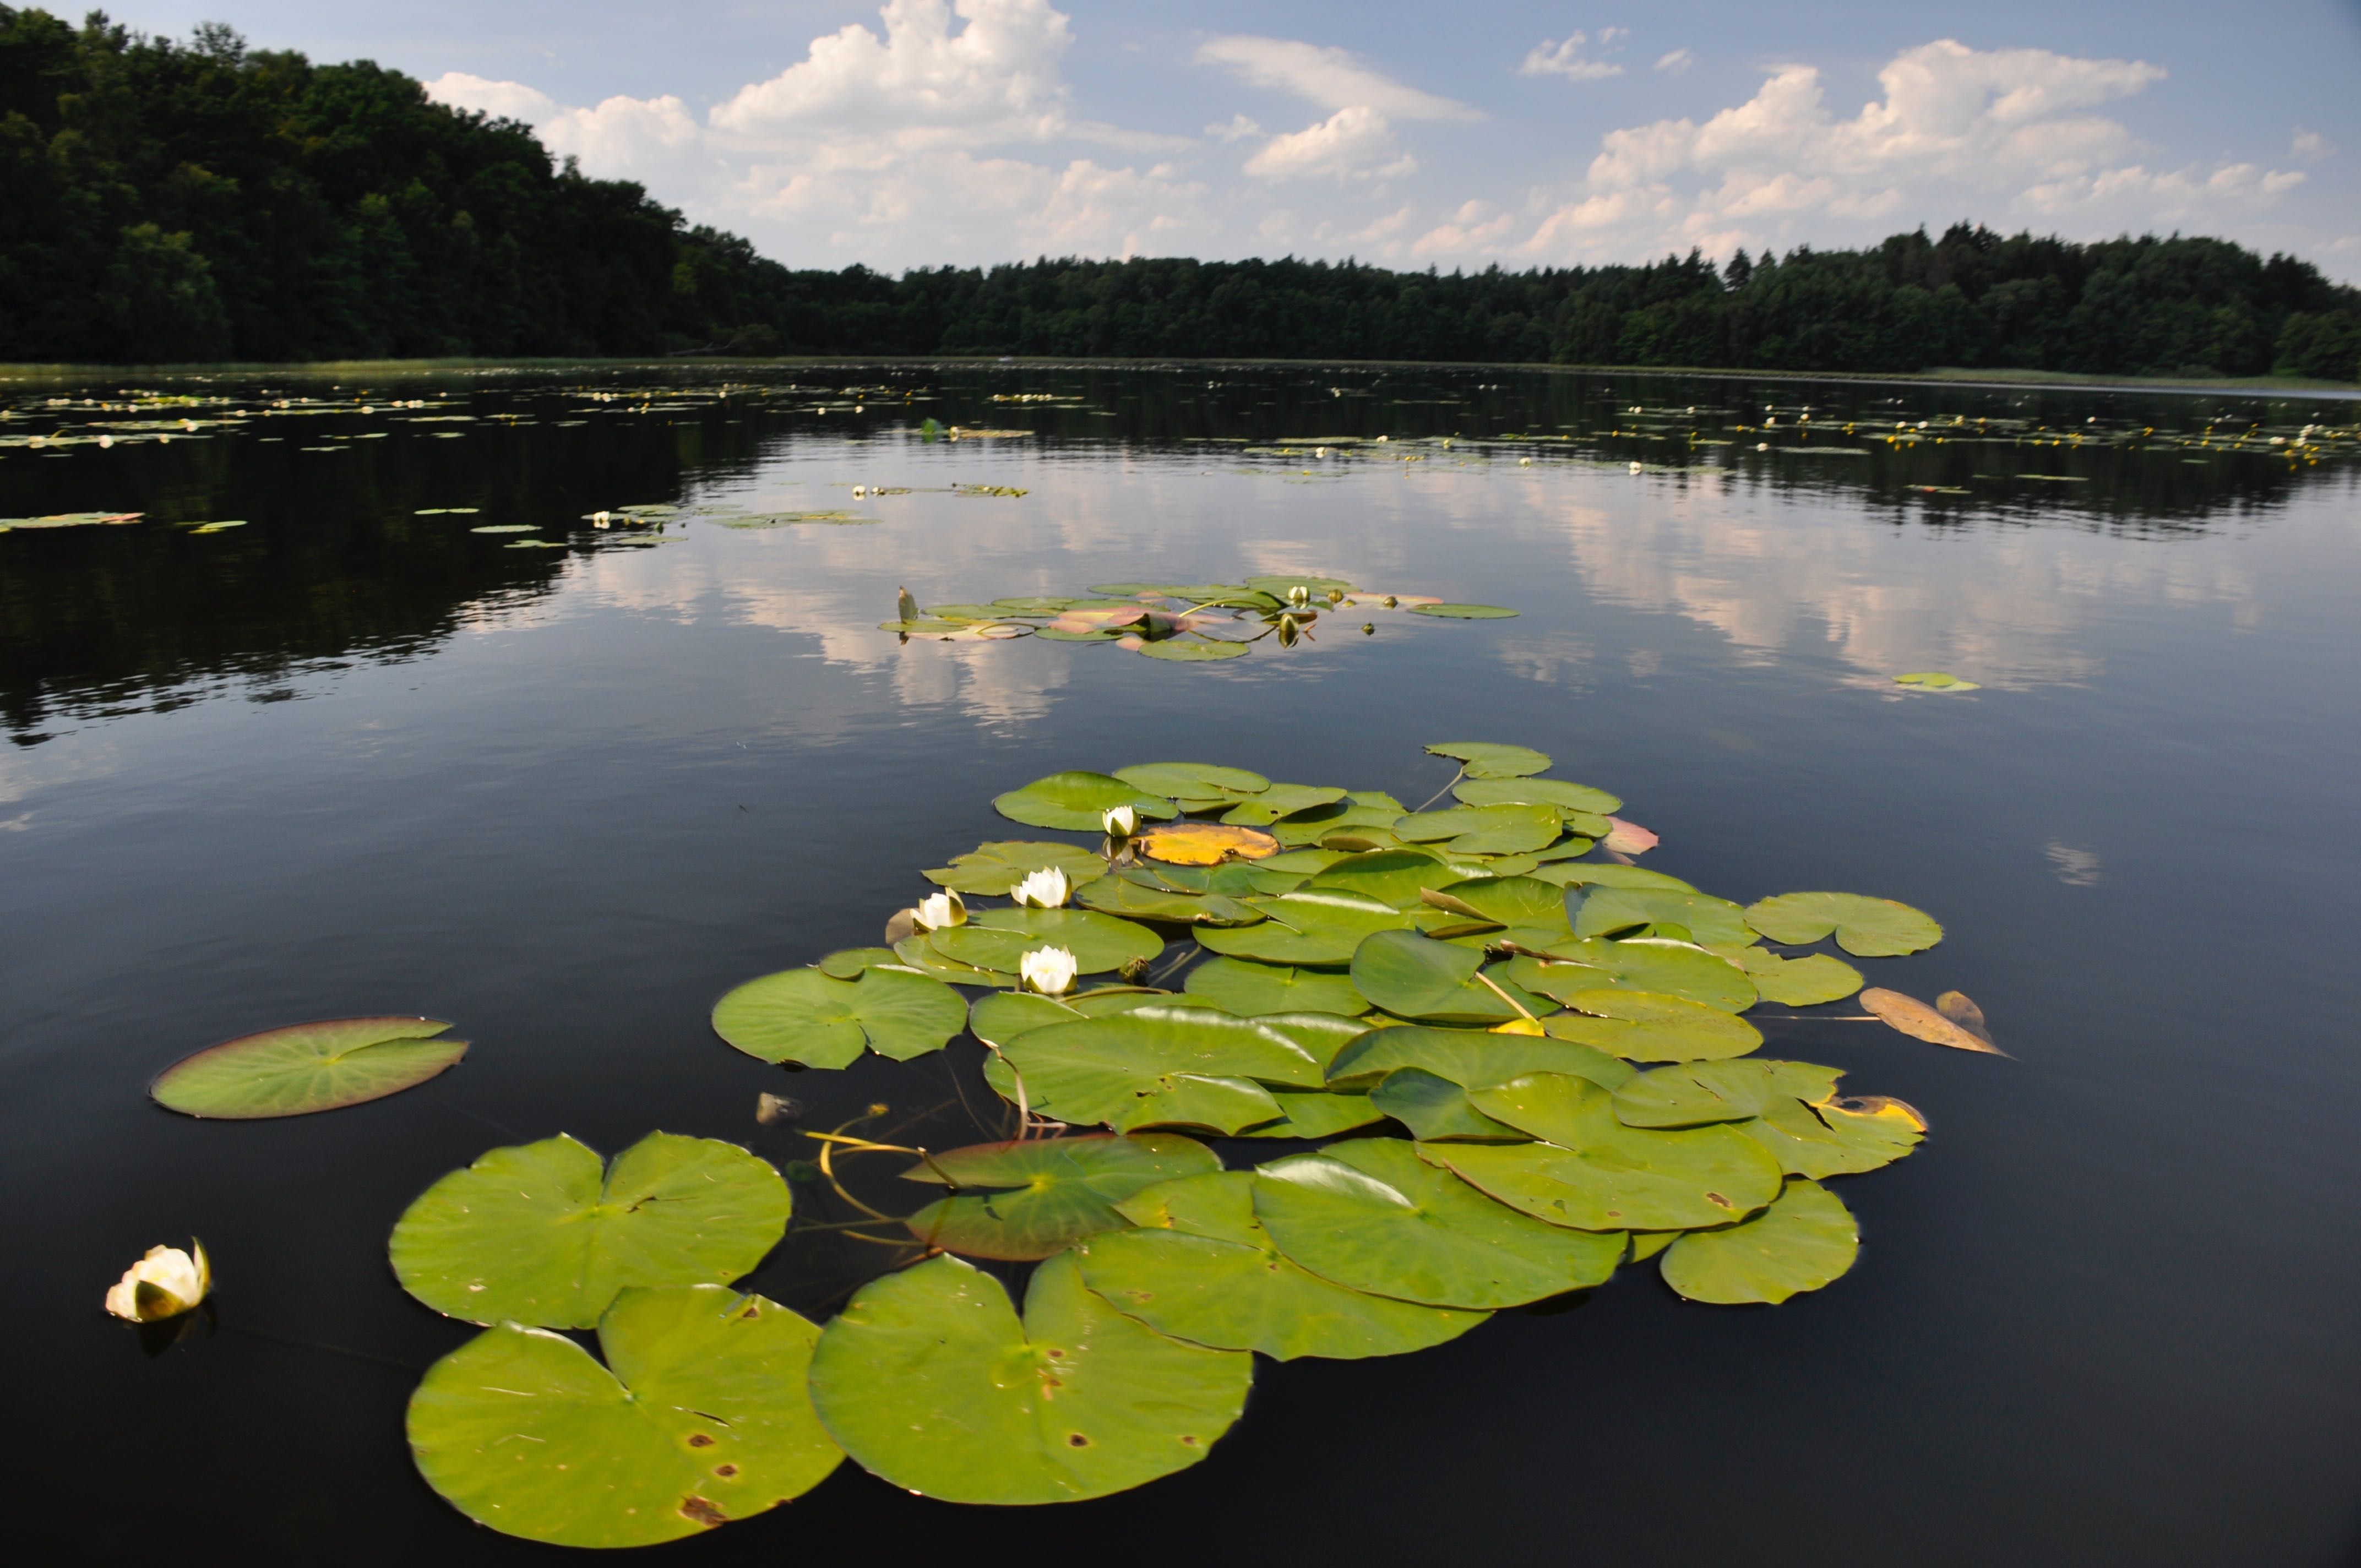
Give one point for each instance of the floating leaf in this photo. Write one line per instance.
(1935, 681)
(1595, 1174)
(1956, 1007)
(1607, 874)
(1485, 760)
(1599, 911)
(1483, 830)
(1317, 1113)
(1035, 1196)
(931, 1382)
(1640, 1025)
(1161, 1064)
(1194, 651)
(1370, 1216)
(1434, 1108)
(1078, 802)
(999, 938)
(1204, 843)
(698, 1417)
(1306, 929)
(994, 868)
(1194, 786)
(1248, 989)
(1514, 901)
(1641, 963)
(543, 1233)
(1463, 611)
(1003, 1015)
(1279, 800)
(1627, 838)
(803, 1015)
(1125, 898)
(1835, 1138)
(1560, 792)
(1920, 1022)
(847, 963)
(1202, 1269)
(1470, 1057)
(1866, 927)
(303, 1068)
(1800, 1243)
(1693, 1094)
(1391, 876)
(1413, 977)
(1798, 982)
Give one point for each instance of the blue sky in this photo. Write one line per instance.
(930, 131)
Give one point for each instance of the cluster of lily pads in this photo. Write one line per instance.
(1508, 1068)
(1182, 621)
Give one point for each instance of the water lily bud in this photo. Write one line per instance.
(906, 609)
(1049, 970)
(164, 1284)
(1635, 467)
(941, 909)
(1287, 632)
(1299, 596)
(1120, 821)
(1369, 628)
(1336, 596)
(1044, 889)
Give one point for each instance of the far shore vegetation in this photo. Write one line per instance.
(200, 201)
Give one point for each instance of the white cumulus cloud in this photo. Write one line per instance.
(1564, 57)
(1329, 77)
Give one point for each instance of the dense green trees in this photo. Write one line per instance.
(167, 200)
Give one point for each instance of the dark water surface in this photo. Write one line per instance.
(349, 759)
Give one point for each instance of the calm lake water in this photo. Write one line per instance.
(353, 757)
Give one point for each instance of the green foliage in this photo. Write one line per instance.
(305, 1068)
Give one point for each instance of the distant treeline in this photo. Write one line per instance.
(163, 201)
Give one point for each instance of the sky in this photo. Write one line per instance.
(931, 132)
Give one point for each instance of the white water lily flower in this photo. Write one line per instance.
(1120, 821)
(1049, 970)
(1635, 467)
(1045, 889)
(164, 1284)
(942, 909)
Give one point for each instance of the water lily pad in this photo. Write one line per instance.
(847, 963)
(1483, 830)
(1798, 982)
(1592, 1172)
(1485, 760)
(699, 1416)
(1607, 874)
(1835, 1138)
(1027, 1199)
(1370, 1216)
(1317, 1113)
(1560, 793)
(1642, 963)
(1195, 786)
(1434, 1108)
(1463, 611)
(1205, 843)
(919, 953)
(1640, 1025)
(1001, 1017)
(1160, 1066)
(1602, 911)
(1865, 927)
(1128, 896)
(1413, 977)
(1201, 1267)
(1935, 681)
(1694, 1094)
(999, 938)
(1470, 1058)
(1306, 929)
(803, 1015)
(1247, 989)
(1391, 876)
(994, 868)
(1280, 800)
(545, 1233)
(1519, 902)
(305, 1068)
(1193, 651)
(1802, 1241)
(1078, 802)
(932, 1383)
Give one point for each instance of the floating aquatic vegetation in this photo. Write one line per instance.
(1935, 681)
(305, 1068)
(1180, 622)
(1564, 1041)
(70, 520)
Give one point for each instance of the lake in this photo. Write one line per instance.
(357, 756)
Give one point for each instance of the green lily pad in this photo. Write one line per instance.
(1305, 929)
(1317, 1113)
(1485, 760)
(1935, 681)
(1201, 1267)
(932, 1383)
(1562, 794)
(1641, 963)
(1483, 830)
(1078, 802)
(803, 1015)
(1798, 982)
(1248, 989)
(847, 963)
(1519, 902)
(1865, 927)
(1279, 800)
(1391, 876)
(918, 952)
(1595, 1174)
(1463, 611)
(1131, 896)
(1693, 1094)
(1160, 1066)
(545, 1234)
(1027, 1199)
(1470, 1058)
(1193, 651)
(1607, 874)
(1640, 1025)
(1434, 1109)
(698, 1417)
(1835, 1138)
(994, 868)
(1278, 587)
(999, 938)
(1413, 977)
(305, 1068)
(1370, 1216)
(1602, 911)
(1802, 1241)
(1001, 1017)
(1195, 786)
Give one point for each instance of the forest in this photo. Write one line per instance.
(166, 201)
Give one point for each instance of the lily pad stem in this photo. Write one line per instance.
(1438, 795)
(1504, 996)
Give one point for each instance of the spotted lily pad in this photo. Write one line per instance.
(545, 1233)
(805, 1016)
(305, 1068)
(1201, 1267)
(698, 1417)
(1800, 1243)
(1027, 1199)
(1078, 802)
(931, 1382)
(1864, 926)
(1370, 1216)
